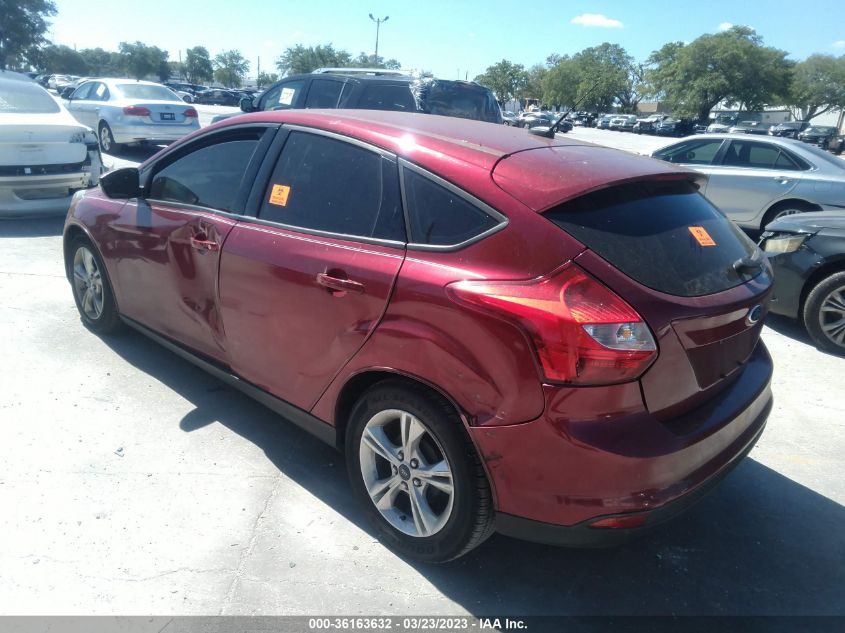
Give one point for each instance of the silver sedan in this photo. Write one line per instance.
(754, 181)
(126, 111)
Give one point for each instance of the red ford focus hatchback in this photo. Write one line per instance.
(504, 332)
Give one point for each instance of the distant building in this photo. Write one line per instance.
(644, 108)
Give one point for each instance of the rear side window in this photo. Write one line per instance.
(440, 217)
(691, 152)
(209, 177)
(323, 94)
(324, 184)
(664, 235)
(397, 98)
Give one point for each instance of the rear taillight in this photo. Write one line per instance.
(136, 111)
(584, 333)
(191, 113)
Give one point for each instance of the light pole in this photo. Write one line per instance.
(378, 26)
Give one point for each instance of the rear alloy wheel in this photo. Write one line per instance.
(107, 143)
(91, 289)
(416, 473)
(786, 209)
(824, 314)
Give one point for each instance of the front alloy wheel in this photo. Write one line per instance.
(824, 313)
(88, 283)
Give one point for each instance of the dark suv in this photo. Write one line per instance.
(464, 99)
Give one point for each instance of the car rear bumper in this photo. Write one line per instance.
(156, 133)
(28, 196)
(557, 475)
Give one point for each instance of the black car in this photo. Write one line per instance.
(807, 253)
(217, 96)
(465, 99)
(836, 144)
(789, 129)
(820, 135)
(675, 127)
(750, 127)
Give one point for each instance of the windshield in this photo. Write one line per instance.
(147, 91)
(821, 130)
(20, 97)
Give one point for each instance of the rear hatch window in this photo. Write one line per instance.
(663, 234)
(456, 98)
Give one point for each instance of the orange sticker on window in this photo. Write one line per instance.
(701, 236)
(279, 195)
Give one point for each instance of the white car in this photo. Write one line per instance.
(45, 154)
(125, 111)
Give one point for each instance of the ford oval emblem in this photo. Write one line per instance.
(754, 315)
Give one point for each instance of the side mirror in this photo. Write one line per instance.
(247, 105)
(121, 183)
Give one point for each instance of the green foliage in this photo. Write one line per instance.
(265, 79)
(140, 61)
(504, 78)
(100, 62)
(367, 61)
(302, 59)
(731, 66)
(63, 60)
(818, 86)
(22, 27)
(197, 65)
(230, 67)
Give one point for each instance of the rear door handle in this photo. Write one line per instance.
(204, 245)
(782, 181)
(339, 285)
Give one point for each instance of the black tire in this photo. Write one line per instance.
(107, 321)
(471, 518)
(829, 292)
(107, 143)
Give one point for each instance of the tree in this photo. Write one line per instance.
(604, 73)
(265, 79)
(63, 59)
(560, 82)
(817, 86)
(230, 67)
(22, 27)
(366, 61)
(731, 66)
(100, 62)
(141, 61)
(197, 65)
(504, 78)
(302, 59)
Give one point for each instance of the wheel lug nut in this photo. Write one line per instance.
(417, 482)
(404, 485)
(414, 463)
(395, 469)
(401, 456)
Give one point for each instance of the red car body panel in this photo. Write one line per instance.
(553, 453)
(287, 333)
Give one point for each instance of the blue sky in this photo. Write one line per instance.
(448, 37)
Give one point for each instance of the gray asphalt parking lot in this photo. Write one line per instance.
(134, 483)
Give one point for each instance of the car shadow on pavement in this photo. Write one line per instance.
(32, 227)
(759, 544)
(794, 330)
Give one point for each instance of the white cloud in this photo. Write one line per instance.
(839, 44)
(596, 19)
(724, 26)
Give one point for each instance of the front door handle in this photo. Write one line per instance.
(337, 284)
(204, 245)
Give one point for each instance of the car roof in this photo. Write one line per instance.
(448, 144)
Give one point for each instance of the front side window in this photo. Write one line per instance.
(284, 96)
(209, 176)
(324, 184)
(439, 216)
(83, 92)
